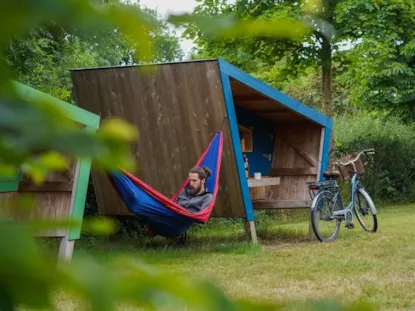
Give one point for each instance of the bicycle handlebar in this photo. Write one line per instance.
(366, 151)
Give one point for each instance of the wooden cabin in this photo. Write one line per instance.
(178, 107)
(63, 194)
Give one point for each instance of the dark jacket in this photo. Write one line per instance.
(194, 203)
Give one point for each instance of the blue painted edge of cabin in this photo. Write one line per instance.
(230, 109)
(325, 152)
(228, 71)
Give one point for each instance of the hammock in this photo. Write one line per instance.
(163, 216)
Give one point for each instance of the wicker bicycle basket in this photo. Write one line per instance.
(347, 172)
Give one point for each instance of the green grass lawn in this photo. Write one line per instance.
(375, 268)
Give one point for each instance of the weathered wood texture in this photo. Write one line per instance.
(296, 160)
(177, 109)
(264, 181)
(258, 188)
(49, 201)
(281, 204)
(262, 105)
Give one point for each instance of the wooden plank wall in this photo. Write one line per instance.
(50, 201)
(177, 109)
(296, 160)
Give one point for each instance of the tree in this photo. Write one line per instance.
(313, 49)
(381, 66)
(306, 88)
(43, 57)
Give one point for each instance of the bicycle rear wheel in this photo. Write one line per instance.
(365, 211)
(325, 226)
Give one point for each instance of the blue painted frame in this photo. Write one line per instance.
(233, 125)
(228, 71)
(325, 152)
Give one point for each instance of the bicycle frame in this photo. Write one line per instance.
(354, 185)
(329, 185)
(327, 202)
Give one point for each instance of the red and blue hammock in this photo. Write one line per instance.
(163, 216)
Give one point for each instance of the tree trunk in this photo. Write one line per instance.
(326, 82)
(326, 58)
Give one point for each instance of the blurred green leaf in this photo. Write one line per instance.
(93, 282)
(28, 277)
(118, 129)
(53, 160)
(231, 27)
(99, 226)
(129, 20)
(312, 6)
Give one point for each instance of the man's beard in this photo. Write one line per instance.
(195, 190)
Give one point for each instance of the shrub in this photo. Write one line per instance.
(389, 174)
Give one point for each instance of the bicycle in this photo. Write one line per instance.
(326, 199)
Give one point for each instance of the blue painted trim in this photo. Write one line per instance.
(230, 108)
(274, 94)
(326, 148)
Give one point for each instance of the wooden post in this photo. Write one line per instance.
(311, 235)
(250, 231)
(66, 250)
(66, 247)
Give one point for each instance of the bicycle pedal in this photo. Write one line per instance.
(350, 226)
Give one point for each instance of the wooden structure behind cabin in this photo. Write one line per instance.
(178, 108)
(62, 195)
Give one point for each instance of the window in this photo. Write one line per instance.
(245, 135)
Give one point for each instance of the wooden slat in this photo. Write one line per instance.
(51, 200)
(61, 181)
(295, 171)
(258, 193)
(275, 111)
(284, 117)
(50, 206)
(63, 186)
(269, 181)
(306, 137)
(280, 204)
(51, 234)
(249, 98)
(177, 108)
(261, 105)
(309, 158)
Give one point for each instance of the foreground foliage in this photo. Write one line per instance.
(36, 137)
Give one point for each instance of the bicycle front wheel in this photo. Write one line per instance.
(325, 226)
(365, 211)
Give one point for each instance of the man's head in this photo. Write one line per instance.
(197, 179)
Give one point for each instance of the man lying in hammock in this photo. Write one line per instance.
(196, 197)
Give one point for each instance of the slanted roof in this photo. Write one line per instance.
(265, 101)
